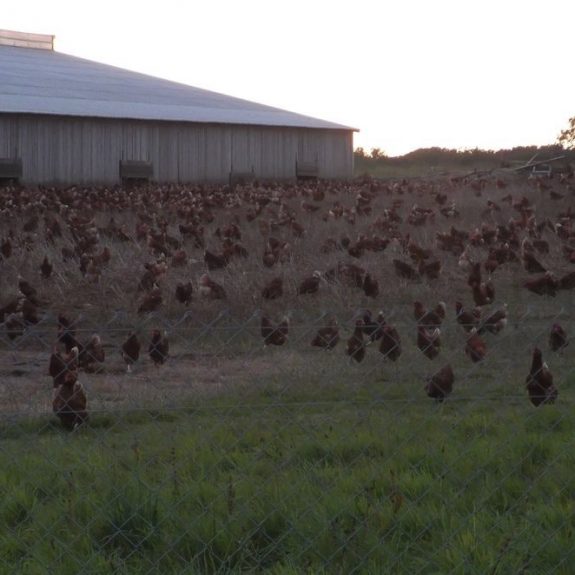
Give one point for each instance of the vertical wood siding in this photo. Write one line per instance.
(63, 150)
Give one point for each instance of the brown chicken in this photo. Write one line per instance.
(544, 285)
(67, 334)
(184, 292)
(28, 291)
(531, 265)
(567, 281)
(69, 403)
(274, 335)
(46, 268)
(274, 289)
(557, 338)
(370, 286)
(327, 337)
(215, 261)
(93, 355)
(390, 343)
(310, 284)
(159, 348)
(431, 270)
(432, 318)
(467, 319)
(62, 363)
(474, 277)
(131, 351)
(440, 385)
(428, 341)
(211, 289)
(355, 344)
(405, 271)
(495, 322)
(152, 301)
(483, 294)
(372, 328)
(475, 347)
(539, 382)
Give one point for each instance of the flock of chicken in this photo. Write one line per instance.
(212, 221)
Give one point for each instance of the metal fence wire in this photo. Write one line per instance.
(149, 425)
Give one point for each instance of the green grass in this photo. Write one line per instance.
(348, 485)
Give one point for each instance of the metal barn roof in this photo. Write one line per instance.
(37, 81)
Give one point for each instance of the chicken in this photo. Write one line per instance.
(92, 355)
(390, 343)
(327, 337)
(544, 285)
(495, 322)
(432, 269)
(211, 289)
(61, 363)
(274, 289)
(159, 348)
(29, 312)
(6, 248)
(468, 320)
(13, 306)
(46, 268)
(67, 334)
(28, 291)
(474, 277)
(347, 273)
(69, 402)
(355, 344)
(15, 326)
(373, 328)
(214, 261)
(531, 265)
(405, 271)
(152, 301)
(131, 351)
(567, 281)
(432, 318)
(184, 292)
(539, 382)
(483, 294)
(475, 347)
(557, 338)
(440, 385)
(274, 335)
(310, 284)
(428, 341)
(370, 286)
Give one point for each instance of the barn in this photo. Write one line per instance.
(67, 120)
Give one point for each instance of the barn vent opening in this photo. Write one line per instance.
(10, 170)
(306, 170)
(136, 171)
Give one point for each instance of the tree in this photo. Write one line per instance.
(567, 137)
(360, 152)
(377, 153)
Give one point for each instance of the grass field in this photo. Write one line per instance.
(232, 458)
(352, 483)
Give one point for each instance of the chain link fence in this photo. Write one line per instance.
(321, 411)
(230, 455)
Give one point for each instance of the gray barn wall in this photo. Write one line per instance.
(65, 150)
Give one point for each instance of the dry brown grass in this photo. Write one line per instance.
(215, 345)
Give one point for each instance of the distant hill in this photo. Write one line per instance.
(426, 161)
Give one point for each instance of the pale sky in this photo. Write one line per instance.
(408, 73)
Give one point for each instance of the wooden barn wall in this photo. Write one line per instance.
(87, 150)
